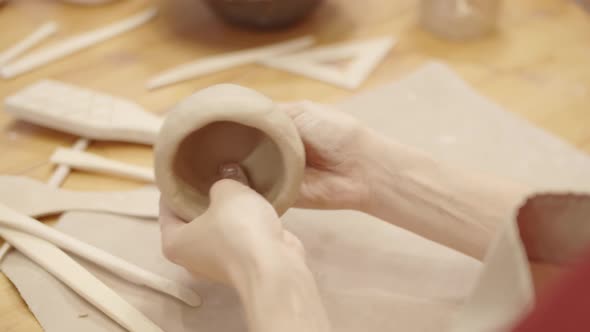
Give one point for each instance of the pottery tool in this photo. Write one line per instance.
(364, 55)
(37, 199)
(75, 44)
(20, 222)
(94, 163)
(217, 63)
(83, 112)
(63, 267)
(72, 274)
(43, 32)
(55, 181)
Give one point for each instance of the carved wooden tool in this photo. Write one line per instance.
(34, 198)
(94, 163)
(75, 44)
(59, 264)
(20, 222)
(83, 112)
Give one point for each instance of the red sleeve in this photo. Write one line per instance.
(564, 307)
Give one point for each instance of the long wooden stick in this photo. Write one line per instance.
(56, 180)
(64, 268)
(94, 163)
(225, 61)
(75, 44)
(43, 32)
(116, 265)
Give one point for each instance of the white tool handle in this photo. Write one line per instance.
(116, 265)
(94, 163)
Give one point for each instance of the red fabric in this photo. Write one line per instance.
(564, 308)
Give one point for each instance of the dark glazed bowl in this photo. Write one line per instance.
(263, 14)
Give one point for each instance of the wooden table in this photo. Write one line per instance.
(537, 65)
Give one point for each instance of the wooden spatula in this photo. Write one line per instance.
(34, 198)
(83, 112)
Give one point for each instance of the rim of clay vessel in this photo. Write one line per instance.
(221, 104)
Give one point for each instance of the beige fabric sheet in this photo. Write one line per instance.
(373, 276)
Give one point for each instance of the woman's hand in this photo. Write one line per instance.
(336, 144)
(240, 241)
(239, 231)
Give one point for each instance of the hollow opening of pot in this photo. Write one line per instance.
(200, 155)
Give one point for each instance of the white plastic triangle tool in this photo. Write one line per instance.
(220, 62)
(83, 112)
(37, 36)
(94, 163)
(365, 55)
(75, 44)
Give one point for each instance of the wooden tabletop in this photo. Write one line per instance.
(536, 65)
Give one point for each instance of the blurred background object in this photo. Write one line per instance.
(585, 4)
(459, 19)
(263, 14)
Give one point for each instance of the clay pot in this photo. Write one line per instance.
(221, 125)
(263, 13)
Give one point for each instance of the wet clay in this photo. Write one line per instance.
(227, 124)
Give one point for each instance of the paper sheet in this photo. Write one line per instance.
(372, 276)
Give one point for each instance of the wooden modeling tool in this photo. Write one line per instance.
(64, 268)
(83, 112)
(94, 163)
(37, 199)
(72, 274)
(217, 63)
(365, 56)
(20, 222)
(75, 44)
(55, 181)
(42, 33)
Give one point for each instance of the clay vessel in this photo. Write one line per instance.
(221, 125)
(267, 14)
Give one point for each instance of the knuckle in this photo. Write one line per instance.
(170, 251)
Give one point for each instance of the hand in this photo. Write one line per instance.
(239, 230)
(336, 146)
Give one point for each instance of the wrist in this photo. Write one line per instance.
(270, 265)
(374, 167)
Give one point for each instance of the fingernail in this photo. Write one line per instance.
(233, 171)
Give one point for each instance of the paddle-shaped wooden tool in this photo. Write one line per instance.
(83, 112)
(36, 199)
(20, 222)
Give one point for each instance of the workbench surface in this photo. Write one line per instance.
(536, 65)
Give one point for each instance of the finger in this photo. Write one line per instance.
(293, 241)
(226, 188)
(235, 172)
(293, 109)
(169, 223)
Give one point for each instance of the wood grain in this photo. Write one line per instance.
(536, 65)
